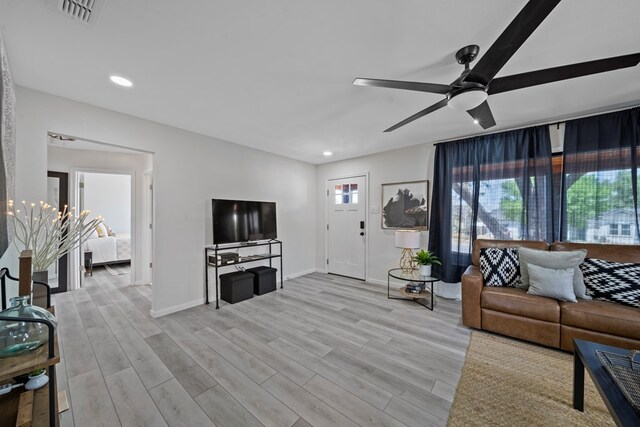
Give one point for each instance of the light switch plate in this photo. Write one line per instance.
(374, 209)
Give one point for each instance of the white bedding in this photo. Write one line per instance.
(109, 248)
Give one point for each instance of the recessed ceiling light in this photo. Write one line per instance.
(475, 121)
(121, 81)
(327, 153)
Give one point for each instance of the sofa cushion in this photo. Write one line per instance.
(518, 302)
(557, 260)
(612, 281)
(602, 316)
(486, 243)
(617, 253)
(556, 283)
(500, 266)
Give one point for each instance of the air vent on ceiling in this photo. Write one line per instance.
(85, 11)
(78, 9)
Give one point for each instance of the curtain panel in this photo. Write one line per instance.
(600, 179)
(495, 186)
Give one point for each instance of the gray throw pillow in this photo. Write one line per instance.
(556, 283)
(555, 260)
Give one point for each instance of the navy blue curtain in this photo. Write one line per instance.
(600, 179)
(495, 186)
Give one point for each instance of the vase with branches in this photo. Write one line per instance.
(48, 232)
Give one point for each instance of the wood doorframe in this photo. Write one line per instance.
(63, 200)
(365, 175)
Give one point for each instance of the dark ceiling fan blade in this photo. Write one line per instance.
(482, 113)
(516, 33)
(548, 75)
(431, 109)
(395, 84)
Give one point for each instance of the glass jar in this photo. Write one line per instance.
(19, 337)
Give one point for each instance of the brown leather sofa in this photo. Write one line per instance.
(513, 312)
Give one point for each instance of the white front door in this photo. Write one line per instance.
(346, 227)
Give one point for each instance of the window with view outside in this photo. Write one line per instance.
(599, 202)
(600, 208)
(501, 213)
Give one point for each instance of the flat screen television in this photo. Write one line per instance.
(236, 221)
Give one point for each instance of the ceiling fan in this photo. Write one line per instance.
(469, 92)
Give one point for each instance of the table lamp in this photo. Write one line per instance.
(407, 240)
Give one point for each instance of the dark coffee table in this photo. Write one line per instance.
(585, 357)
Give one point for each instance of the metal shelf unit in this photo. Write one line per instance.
(211, 256)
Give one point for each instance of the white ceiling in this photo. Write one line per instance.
(276, 75)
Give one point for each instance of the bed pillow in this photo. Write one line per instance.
(101, 230)
(500, 266)
(554, 260)
(556, 283)
(612, 281)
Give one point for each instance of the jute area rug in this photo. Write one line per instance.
(506, 382)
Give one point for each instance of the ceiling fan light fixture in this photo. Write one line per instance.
(467, 100)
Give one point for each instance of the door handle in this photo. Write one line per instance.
(362, 233)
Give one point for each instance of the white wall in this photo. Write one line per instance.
(109, 195)
(189, 170)
(405, 164)
(69, 160)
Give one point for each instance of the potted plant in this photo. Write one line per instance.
(37, 379)
(49, 233)
(425, 260)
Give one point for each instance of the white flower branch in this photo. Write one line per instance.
(49, 233)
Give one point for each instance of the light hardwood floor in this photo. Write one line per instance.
(325, 351)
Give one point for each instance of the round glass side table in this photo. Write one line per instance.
(413, 277)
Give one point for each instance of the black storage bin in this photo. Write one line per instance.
(236, 287)
(264, 279)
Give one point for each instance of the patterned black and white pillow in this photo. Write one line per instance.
(612, 281)
(500, 266)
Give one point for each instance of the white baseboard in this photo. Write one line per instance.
(175, 308)
(187, 305)
(377, 282)
(294, 275)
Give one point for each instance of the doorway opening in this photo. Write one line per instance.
(110, 196)
(58, 195)
(109, 181)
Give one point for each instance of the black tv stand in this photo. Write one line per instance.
(214, 250)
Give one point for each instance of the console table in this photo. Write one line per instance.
(36, 407)
(211, 260)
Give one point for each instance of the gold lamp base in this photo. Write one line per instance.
(407, 264)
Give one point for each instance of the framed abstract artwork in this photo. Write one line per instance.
(405, 205)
